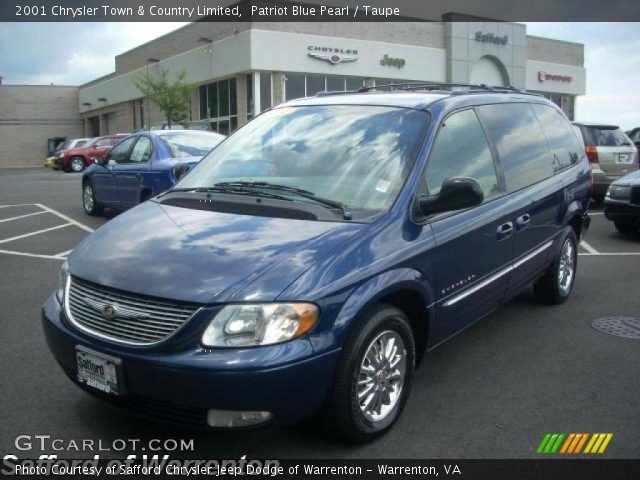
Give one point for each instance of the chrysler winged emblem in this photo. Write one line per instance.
(110, 311)
(333, 58)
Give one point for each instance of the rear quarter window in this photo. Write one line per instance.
(521, 144)
(563, 142)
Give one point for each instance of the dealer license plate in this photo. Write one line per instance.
(99, 371)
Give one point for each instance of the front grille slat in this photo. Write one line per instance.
(161, 308)
(170, 324)
(116, 324)
(158, 318)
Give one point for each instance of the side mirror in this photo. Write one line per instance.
(99, 160)
(180, 170)
(456, 193)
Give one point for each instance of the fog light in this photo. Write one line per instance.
(232, 418)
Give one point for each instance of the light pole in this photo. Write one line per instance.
(149, 60)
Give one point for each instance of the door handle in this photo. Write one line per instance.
(522, 221)
(505, 230)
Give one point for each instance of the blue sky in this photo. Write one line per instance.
(74, 53)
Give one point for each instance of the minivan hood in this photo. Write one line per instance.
(202, 256)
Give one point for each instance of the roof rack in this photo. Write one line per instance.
(434, 86)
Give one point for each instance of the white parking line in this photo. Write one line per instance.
(589, 248)
(63, 254)
(18, 205)
(614, 254)
(68, 219)
(21, 216)
(35, 233)
(35, 255)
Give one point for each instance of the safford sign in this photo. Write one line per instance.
(544, 76)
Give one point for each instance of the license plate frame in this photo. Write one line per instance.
(624, 158)
(100, 371)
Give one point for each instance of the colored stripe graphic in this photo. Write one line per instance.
(550, 443)
(573, 443)
(598, 443)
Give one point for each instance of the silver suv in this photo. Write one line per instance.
(610, 152)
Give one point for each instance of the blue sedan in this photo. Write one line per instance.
(142, 166)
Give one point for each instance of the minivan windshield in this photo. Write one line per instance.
(356, 155)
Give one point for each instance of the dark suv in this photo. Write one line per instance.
(312, 258)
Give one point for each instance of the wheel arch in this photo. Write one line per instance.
(406, 289)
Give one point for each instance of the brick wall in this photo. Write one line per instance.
(29, 115)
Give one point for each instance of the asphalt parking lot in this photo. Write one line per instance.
(491, 392)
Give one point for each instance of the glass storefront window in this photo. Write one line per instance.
(218, 105)
(354, 83)
(265, 91)
(295, 86)
(249, 94)
(335, 84)
(212, 95)
(315, 84)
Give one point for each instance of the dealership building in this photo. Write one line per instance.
(245, 68)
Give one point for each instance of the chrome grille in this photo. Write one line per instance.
(133, 319)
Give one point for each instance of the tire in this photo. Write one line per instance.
(625, 226)
(361, 415)
(557, 283)
(91, 206)
(76, 164)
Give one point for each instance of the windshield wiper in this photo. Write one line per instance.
(232, 189)
(333, 204)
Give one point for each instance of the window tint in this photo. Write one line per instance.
(608, 137)
(120, 153)
(461, 150)
(142, 151)
(521, 145)
(561, 137)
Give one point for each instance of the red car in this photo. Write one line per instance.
(77, 159)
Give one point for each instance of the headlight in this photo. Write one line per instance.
(622, 192)
(62, 282)
(259, 324)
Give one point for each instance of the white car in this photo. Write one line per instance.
(611, 154)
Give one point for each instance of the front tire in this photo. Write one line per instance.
(76, 164)
(91, 206)
(556, 284)
(374, 375)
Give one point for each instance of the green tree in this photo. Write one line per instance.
(172, 98)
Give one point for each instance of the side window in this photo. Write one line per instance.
(142, 151)
(563, 141)
(461, 150)
(105, 142)
(522, 147)
(120, 153)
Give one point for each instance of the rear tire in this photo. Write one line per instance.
(557, 283)
(76, 164)
(626, 226)
(91, 206)
(374, 375)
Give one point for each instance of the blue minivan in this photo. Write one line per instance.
(309, 261)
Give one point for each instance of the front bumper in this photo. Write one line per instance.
(621, 210)
(289, 380)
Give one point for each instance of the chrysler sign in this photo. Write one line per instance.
(544, 76)
(332, 55)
